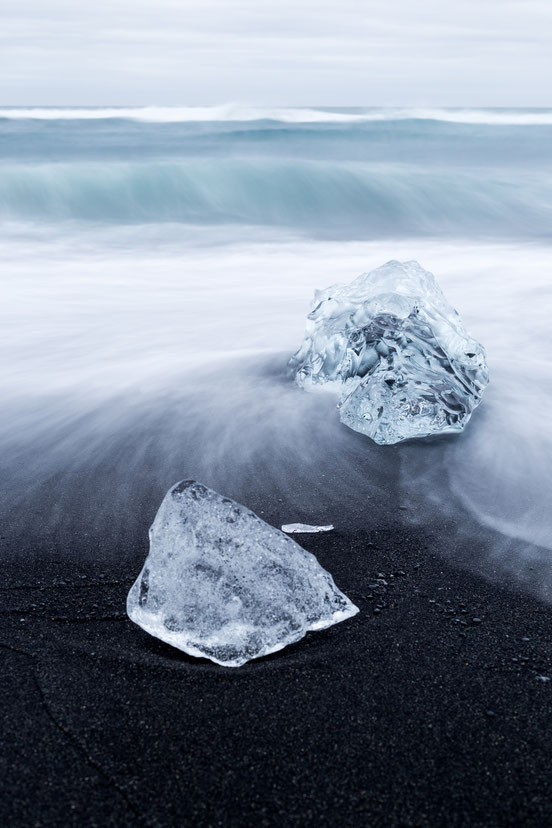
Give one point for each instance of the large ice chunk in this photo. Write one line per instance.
(396, 352)
(221, 583)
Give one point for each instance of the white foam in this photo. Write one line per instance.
(238, 112)
(191, 114)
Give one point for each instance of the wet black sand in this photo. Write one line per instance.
(427, 708)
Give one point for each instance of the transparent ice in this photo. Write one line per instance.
(221, 583)
(396, 352)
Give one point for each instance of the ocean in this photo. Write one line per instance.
(157, 268)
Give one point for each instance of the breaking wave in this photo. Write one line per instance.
(361, 200)
(294, 115)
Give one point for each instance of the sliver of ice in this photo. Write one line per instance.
(221, 583)
(305, 528)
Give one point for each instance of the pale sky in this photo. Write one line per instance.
(276, 52)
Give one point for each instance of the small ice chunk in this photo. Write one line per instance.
(305, 528)
(221, 583)
(396, 352)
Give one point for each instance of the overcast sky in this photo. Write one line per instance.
(297, 52)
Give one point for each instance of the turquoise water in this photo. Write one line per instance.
(157, 267)
(352, 174)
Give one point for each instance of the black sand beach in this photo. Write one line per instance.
(208, 210)
(430, 707)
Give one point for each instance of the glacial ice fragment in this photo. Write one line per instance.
(395, 351)
(305, 528)
(221, 583)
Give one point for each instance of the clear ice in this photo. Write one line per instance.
(395, 351)
(221, 583)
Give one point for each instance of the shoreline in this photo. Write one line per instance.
(425, 708)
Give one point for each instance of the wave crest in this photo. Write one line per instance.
(293, 115)
(357, 199)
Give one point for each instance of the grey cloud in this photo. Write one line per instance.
(301, 52)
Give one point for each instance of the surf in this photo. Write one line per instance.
(294, 115)
(331, 197)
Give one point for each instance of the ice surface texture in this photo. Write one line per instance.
(397, 353)
(221, 583)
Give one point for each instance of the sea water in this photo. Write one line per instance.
(157, 266)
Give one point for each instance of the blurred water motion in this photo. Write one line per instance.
(137, 354)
